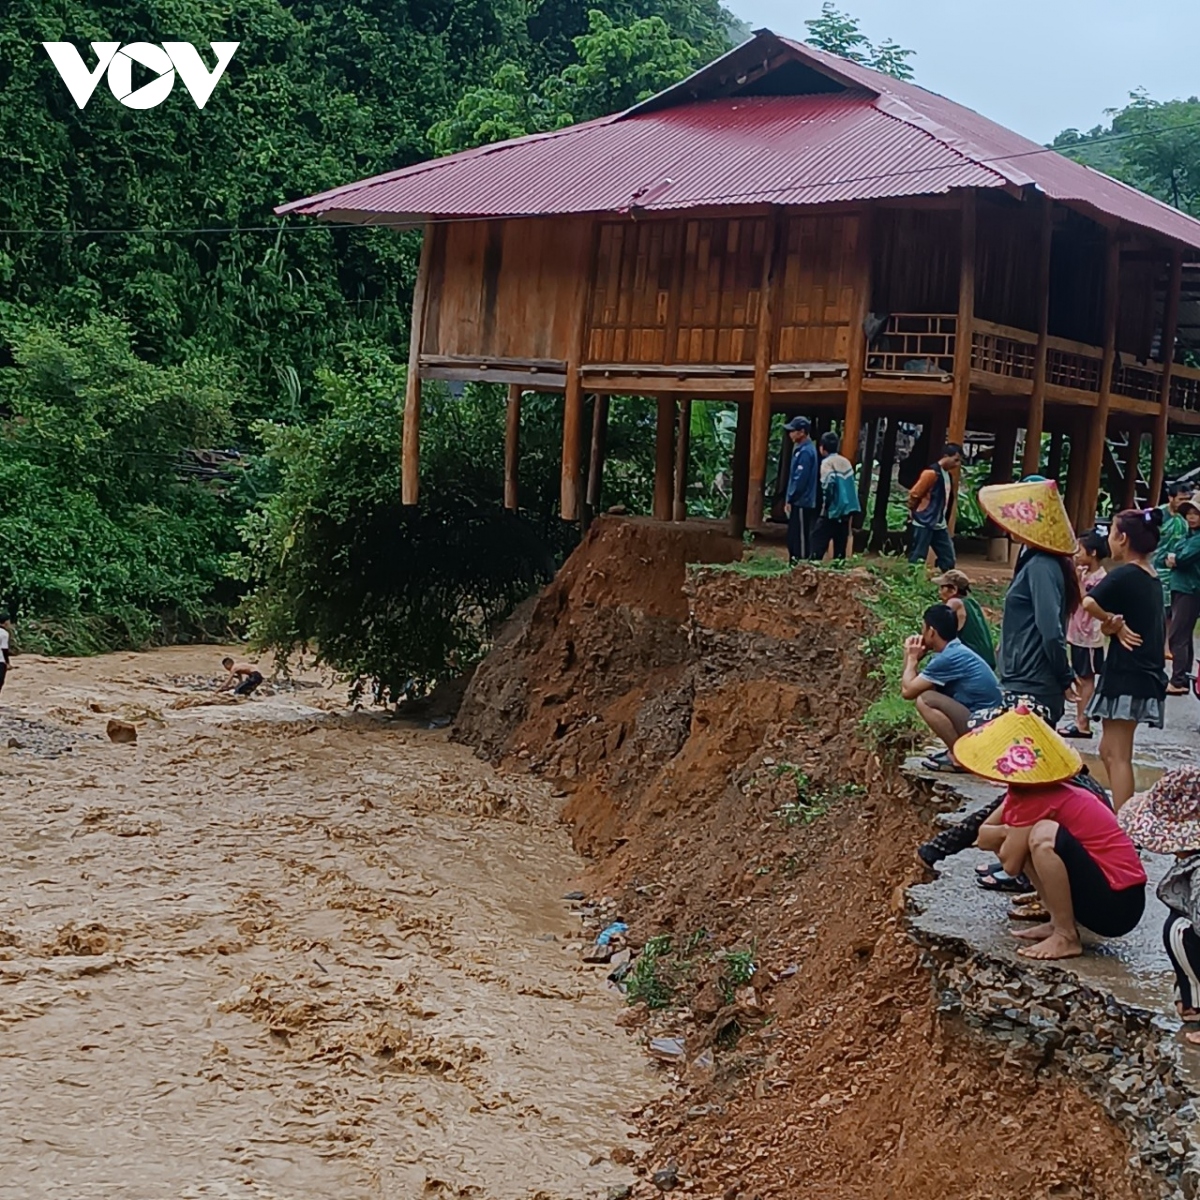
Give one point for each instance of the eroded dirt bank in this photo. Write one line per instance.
(273, 951)
(709, 738)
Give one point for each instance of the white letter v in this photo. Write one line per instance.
(196, 77)
(81, 82)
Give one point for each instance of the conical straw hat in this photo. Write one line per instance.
(1033, 512)
(1166, 819)
(1017, 747)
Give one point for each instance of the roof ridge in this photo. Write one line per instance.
(892, 106)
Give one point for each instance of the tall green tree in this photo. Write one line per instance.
(840, 33)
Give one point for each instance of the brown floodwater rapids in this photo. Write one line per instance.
(279, 950)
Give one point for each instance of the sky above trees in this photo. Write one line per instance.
(1036, 66)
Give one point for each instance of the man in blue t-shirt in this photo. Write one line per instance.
(951, 685)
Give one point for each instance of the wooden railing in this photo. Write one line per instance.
(1073, 365)
(1003, 350)
(922, 344)
(1185, 388)
(914, 344)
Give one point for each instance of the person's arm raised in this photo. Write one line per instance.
(912, 682)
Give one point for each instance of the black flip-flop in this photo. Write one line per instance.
(1001, 881)
(1073, 731)
(942, 764)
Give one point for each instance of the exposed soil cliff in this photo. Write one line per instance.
(704, 724)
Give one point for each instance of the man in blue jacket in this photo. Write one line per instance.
(803, 492)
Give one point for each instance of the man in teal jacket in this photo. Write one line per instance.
(1184, 565)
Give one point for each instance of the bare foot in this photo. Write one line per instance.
(1057, 945)
(1192, 1038)
(1187, 1014)
(1035, 933)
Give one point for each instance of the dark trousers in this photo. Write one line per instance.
(248, 685)
(1185, 612)
(926, 538)
(1183, 949)
(830, 529)
(800, 532)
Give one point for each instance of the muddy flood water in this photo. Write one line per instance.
(277, 950)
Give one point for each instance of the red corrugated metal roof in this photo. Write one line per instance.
(877, 138)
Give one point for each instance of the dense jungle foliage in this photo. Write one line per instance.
(151, 306)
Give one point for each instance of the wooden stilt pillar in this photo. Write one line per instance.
(740, 488)
(960, 395)
(1054, 459)
(856, 351)
(864, 475)
(1036, 420)
(512, 446)
(1131, 468)
(683, 446)
(1090, 489)
(1158, 460)
(595, 482)
(760, 413)
(571, 500)
(887, 463)
(1077, 470)
(572, 448)
(1003, 451)
(410, 433)
(664, 458)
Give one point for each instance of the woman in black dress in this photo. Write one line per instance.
(1133, 682)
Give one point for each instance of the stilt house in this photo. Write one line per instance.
(793, 232)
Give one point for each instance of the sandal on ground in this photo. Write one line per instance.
(942, 763)
(995, 867)
(1001, 881)
(1173, 689)
(1073, 731)
(1034, 910)
(1026, 900)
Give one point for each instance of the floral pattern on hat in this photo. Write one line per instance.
(1019, 757)
(1023, 510)
(1166, 818)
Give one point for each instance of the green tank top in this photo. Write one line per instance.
(976, 633)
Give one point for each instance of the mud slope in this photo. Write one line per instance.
(682, 728)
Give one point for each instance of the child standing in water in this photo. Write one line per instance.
(1084, 636)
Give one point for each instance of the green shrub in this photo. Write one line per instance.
(102, 539)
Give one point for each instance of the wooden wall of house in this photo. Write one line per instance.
(916, 260)
(816, 289)
(677, 291)
(1077, 259)
(1137, 319)
(1008, 240)
(505, 289)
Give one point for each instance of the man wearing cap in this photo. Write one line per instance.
(803, 492)
(954, 591)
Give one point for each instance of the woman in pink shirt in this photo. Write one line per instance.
(1063, 837)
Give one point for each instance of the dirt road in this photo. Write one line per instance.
(278, 950)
